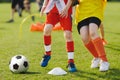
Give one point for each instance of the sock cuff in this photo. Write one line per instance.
(70, 55)
(88, 44)
(97, 39)
(47, 48)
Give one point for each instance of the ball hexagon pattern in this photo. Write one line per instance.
(18, 64)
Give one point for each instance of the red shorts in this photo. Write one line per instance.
(53, 18)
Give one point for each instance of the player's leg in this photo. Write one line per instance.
(83, 30)
(18, 9)
(70, 50)
(102, 31)
(47, 44)
(66, 23)
(21, 7)
(13, 5)
(52, 19)
(102, 34)
(27, 8)
(39, 4)
(97, 41)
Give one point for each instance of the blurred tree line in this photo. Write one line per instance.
(34, 0)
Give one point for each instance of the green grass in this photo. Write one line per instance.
(31, 45)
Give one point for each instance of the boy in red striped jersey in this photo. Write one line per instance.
(58, 11)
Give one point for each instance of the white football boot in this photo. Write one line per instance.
(95, 63)
(104, 66)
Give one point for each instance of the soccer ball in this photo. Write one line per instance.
(18, 64)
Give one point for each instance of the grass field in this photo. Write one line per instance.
(30, 44)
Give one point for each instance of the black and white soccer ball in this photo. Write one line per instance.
(18, 64)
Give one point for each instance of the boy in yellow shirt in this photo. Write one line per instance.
(89, 15)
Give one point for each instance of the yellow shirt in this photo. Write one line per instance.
(90, 8)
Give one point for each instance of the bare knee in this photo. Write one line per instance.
(93, 31)
(48, 29)
(93, 34)
(68, 36)
(85, 40)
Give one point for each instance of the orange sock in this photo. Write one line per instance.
(100, 48)
(90, 46)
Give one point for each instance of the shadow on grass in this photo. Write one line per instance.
(112, 74)
(30, 73)
(1, 28)
(112, 32)
(114, 47)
